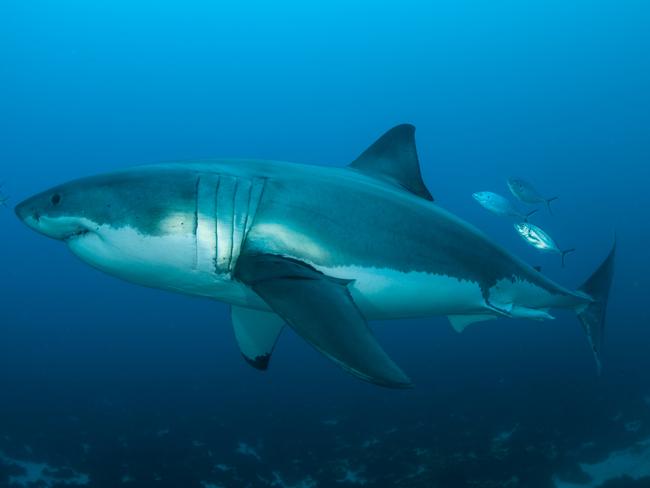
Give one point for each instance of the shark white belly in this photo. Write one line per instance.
(384, 294)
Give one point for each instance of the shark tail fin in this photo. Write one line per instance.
(565, 252)
(548, 204)
(592, 315)
(532, 212)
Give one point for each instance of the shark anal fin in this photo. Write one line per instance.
(521, 312)
(256, 333)
(321, 310)
(516, 311)
(460, 322)
(393, 158)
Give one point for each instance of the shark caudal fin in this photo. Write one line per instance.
(592, 315)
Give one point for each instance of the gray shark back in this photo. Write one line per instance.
(344, 219)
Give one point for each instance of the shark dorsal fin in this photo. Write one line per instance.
(393, 158)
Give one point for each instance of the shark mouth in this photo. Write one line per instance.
(76, 235)
(65, 229)
(74, 229)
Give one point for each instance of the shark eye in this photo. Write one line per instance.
(56, 199)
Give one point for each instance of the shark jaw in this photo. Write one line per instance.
(166, 262)
(60, 228)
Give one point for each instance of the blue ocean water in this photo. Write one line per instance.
(110, 384)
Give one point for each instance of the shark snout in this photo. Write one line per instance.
(27, 213)
(33, 214)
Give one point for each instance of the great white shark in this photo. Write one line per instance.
(321, 249)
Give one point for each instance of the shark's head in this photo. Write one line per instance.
(133, 224)
(56, 213)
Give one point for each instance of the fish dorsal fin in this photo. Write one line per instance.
(393, 158)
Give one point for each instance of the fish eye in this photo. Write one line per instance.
(56, 199)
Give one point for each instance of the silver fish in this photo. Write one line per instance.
(499, 205)
(526, 193)
(540, 240)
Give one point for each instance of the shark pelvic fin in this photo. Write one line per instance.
(393, 158)
(460, 322)
(321, 310)
(256, 333)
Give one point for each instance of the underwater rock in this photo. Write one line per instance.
(633, 462)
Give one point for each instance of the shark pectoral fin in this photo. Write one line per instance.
(256, 333)
(321, 310)
(460, 322)
(393, 158)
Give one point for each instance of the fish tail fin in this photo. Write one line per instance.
(592, 315)
(529, 214)
(548, 204)
(565, 252)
